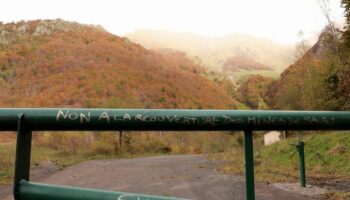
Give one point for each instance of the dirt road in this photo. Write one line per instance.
(186, 176)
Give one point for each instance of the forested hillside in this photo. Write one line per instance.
(317, 81)
(293, 89)
(55, 63)
(251, 90)
(320, 79)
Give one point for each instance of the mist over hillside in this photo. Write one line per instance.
(215, 52)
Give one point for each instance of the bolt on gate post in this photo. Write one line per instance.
(24, 121)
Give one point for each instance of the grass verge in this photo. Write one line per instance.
(327, 158)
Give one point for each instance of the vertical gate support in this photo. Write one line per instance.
(300, 148)
(120, 141)
(23, 151)
(249, 164)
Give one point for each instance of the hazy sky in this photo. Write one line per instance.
(279, 20)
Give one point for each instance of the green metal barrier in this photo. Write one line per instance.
(38, 191)
(133, 119)
(27, 120)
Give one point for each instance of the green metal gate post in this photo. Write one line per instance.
(249, 164)
(300, 148)
(23, 151)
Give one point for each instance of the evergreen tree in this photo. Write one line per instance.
(346, 34)
(345, 84)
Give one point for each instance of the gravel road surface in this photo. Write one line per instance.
(185, 176)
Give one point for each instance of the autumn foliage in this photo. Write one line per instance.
(252, 89)
(54, 63)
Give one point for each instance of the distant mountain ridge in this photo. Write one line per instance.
(214, 52)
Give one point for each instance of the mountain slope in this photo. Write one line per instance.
(57, 63)
(215, 52)
(299, 86)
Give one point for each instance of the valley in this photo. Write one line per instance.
(64, 64)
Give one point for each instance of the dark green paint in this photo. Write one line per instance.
(249, 164)
(176, 120)
(23, 151)
(300, 148)
(38, 191)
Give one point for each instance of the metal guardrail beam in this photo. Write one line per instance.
(39, 191)
(175, 120)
